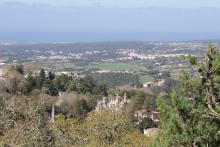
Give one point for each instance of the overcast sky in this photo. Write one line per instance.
(122, 19)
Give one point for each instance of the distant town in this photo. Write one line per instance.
(80, 59)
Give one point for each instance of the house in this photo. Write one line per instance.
(147, 84)
(2, 73)
(160, 82)
(35, 73)
(140, 114)
(150, 131)
(2, 62)
(155, 116)
(68, 73)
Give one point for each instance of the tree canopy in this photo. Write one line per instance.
(191, 117)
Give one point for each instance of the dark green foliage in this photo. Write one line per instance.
(87, 85)
(71, 86)
(61, 81)
(40, 79)
(31, 83)
(156, 74)
(169, 84)
(191, 116)
(184, 123)
(53, 84)
(146, 123)
(42, 74)
(92, 101)
(18, 68)
(81, 108)
(15, 81)
(74, 107)
(49, 88)
(139, 100)
(117, 79)
(150, 103)
(51, 76)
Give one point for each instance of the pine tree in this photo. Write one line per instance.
(192, 116)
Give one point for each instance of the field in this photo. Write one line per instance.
(59, 66)
(119, 67)
(145, 78)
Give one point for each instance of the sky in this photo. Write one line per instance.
(122, 3)
(108, 20)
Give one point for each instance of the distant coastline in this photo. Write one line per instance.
(62, 37)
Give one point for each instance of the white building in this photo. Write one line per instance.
(147, 84)
(150, 131)
(2, 73)
(155, 116)
(160, 82)
(115, 102)
(68, 73)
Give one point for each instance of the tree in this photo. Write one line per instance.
(18, 68)
(147, 123)
(105, 128)
(42, 74)
(71, 86)
(137, 101)
(150, 103)
(15, 82)
(60, 83)
(69, 132)
(23, 123)
(73, 105)
(108, 127)
(40, 79)
(48, 87)
(31, 83)
(51, 76)
(80, 108)
(192, 116)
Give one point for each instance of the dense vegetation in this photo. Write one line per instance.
(189, 116)
(117, 79)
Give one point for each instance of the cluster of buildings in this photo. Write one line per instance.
(116, 102)
(132, 54)
(153, 115)
(57, 73)
(53, 55)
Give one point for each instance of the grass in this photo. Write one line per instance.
(58, 66)
(119, 67)
(145, 78)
